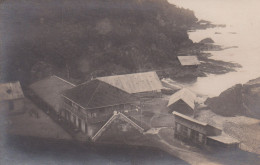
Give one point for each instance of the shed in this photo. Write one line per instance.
(11, 91)
(194, 131)
(47, 91)
(140, 84)
(223, 141)
(11, 96)
(188, 60)
(182, 101)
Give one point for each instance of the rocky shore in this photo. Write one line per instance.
(241, 99)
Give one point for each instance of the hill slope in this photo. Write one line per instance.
(77, 38)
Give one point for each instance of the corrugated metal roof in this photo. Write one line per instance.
(49, 90)
(184, 94)
(11, 91)
(135, 83)
(97, 94)
(188, 60)
(189, 118)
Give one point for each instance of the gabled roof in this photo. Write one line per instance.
(135, 83)
(209, 130)
(184, 94)
(188, 60)
(116, 116)
(97, 94)
(189, 118)
(11, 91)
(49, 89)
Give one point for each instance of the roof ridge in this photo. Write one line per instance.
(127, 74)
(111, 119)
(93, 94)
(131, 122)
(64, 80)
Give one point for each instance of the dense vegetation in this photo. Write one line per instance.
(83, 38)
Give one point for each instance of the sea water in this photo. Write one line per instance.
(242, 20)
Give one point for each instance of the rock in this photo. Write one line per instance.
(228, 103)
(238, 100)
(207, 41)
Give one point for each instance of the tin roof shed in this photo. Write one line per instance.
(188, 60)
(11, 91)
(184, 94)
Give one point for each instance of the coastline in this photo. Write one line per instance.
(208, 66)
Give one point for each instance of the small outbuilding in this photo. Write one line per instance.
(183, 101)
(11, 96)
(202, 134)
(222, 141)
(189, 61)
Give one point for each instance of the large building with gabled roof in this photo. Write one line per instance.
(138, 84)
(93, 103)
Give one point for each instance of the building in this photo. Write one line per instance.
(199, 133)
(189, 61)
(222, 142)
(89, 105)
(183, 101)
(118, 129)
(145, 84)
(46, 92)
(11, 96)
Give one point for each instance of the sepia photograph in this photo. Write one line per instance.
(129, 82)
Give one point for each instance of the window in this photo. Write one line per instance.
(75, 106)
(74, 119)
(201, 138)
(79, 123)
(189, 132)
(185, 131)
(178, 127)
(94, 115)
(196, 137)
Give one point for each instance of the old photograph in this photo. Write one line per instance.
(129, 82)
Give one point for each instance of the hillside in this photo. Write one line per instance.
(83, 38)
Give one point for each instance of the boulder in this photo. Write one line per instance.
(207, 41)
